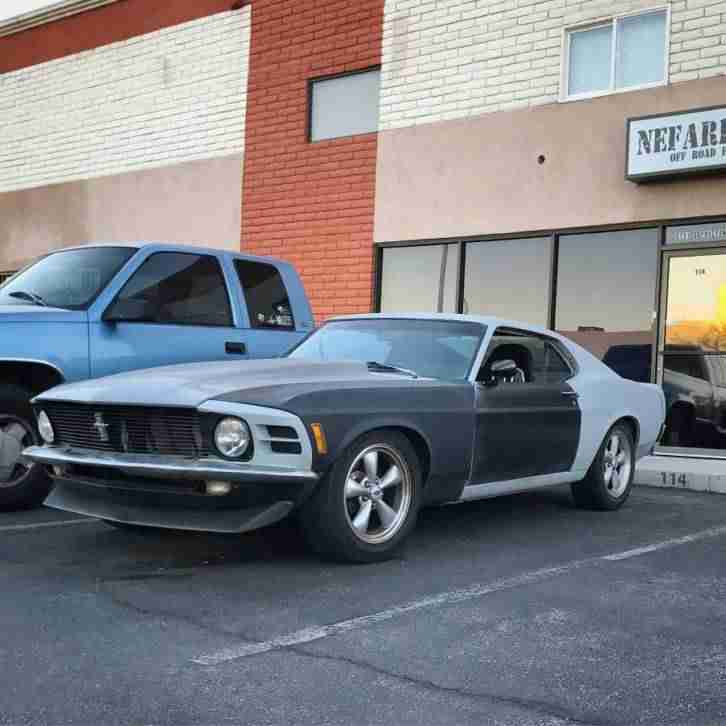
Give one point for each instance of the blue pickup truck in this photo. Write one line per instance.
(96, 310)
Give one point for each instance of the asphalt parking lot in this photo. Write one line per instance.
(520, 610)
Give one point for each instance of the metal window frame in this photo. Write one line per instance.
(662, 248)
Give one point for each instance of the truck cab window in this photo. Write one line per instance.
(180, 289)
(265, 294)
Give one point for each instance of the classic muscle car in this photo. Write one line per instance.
(364, 422)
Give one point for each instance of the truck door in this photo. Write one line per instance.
(175, 308)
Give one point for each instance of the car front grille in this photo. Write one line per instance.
(128, 429)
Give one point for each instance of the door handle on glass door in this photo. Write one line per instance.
(235, 348)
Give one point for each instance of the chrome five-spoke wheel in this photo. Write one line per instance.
(609, 479)
(365, 507)
(378, 493)
(617, 463)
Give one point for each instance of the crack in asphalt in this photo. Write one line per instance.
(165, 614)
(538, 707)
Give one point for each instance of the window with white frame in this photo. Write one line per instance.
(627, 52)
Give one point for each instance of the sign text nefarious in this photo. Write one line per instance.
(671, 145)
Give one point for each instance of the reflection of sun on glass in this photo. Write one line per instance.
(721, 305)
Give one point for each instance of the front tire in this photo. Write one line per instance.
(22, 486)
(610, 477)
(366, 506)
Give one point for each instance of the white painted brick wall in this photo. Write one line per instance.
(446, 59)
(171, 96)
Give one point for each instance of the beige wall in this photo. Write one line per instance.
(480, 176)
(195, 202)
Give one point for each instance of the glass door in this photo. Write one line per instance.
(691, 363)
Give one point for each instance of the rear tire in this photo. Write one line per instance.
(610, 477)
(21, 487)
(366, 506)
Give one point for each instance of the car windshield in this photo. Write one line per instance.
(430, 348)
(71, 279)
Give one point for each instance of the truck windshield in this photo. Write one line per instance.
(443, 349)
(70, 279)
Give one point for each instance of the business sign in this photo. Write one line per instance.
(676, 144)
(696, 233)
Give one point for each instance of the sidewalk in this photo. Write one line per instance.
(701, 475)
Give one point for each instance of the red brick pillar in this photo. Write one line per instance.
(310, 203)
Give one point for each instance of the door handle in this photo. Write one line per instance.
(570, 394)
(235, 348)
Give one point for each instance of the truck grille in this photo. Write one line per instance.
(128, 429)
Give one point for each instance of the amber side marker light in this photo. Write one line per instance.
(321, 442)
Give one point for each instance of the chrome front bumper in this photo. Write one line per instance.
(145, 465)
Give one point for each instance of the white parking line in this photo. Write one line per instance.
(667, 544)
(41, 525)
(308, 635)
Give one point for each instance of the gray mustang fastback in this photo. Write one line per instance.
(365, 421)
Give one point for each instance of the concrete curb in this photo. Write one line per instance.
(670, 472)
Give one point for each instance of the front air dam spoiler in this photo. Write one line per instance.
(94, 502)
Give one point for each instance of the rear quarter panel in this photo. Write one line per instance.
(605, 398)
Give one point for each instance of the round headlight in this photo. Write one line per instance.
(232, 437)
(45, 428)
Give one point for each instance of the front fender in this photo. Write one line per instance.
(62, 346)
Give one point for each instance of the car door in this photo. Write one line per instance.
(527, 424)
(182, 314)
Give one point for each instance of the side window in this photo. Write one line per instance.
(265, 294)
(180, 289)
(555, 368)
(537, 359)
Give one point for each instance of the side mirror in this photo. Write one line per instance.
(498, 370)
(503, 368)
(129, 310)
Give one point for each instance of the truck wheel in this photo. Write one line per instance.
(610, 477)
(366, 506)
(21, 485)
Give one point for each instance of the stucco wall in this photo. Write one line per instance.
(173, 95)
(457, 58)
(196, 202)
(481, 176)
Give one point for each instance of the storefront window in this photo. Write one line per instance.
(606, 296)
(509, 279)
(420, 279)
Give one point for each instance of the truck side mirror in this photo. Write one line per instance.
(129, 310)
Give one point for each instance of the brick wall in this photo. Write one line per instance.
(98, 27)
(312, 204)
(461, 58)
(173, 95)
(698, 39)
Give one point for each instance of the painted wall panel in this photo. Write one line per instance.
(482, 176)
(197, 202)
(173, 95)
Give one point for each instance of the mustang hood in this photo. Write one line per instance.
(192, 384)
